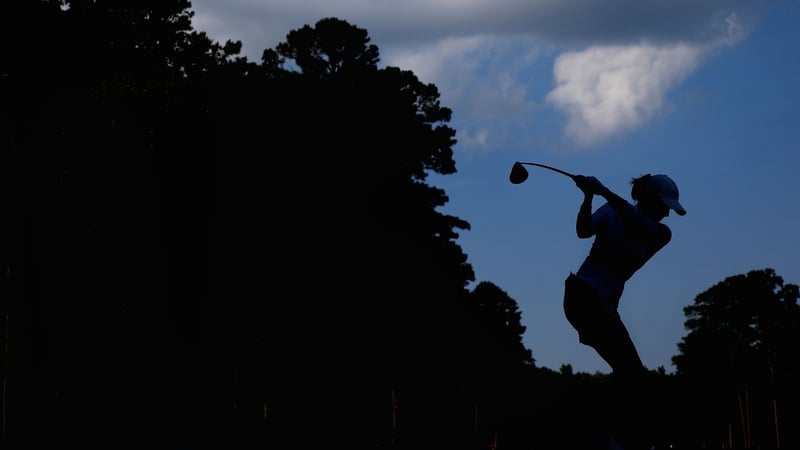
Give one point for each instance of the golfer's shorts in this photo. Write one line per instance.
(594, 318)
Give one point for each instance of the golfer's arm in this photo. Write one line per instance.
(620, 205)
(583, 224)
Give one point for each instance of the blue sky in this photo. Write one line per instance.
(704, 91)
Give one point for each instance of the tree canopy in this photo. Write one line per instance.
(743, 328)
(738, 361)
(263, 233)
(201, 247)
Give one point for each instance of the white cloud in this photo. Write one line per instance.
(446, 60)
(605, 90)
(477, 142)
(478, 72)
(481, 78)
(628, 54)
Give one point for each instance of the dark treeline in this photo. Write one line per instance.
(201, 251)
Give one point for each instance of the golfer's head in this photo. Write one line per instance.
(650, 189)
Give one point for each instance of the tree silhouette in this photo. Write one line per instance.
(203, 249)
(331, 47)
(105, 159)
(497, 330)
(740, 354)
(341, 280)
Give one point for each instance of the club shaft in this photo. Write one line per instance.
(551, 168)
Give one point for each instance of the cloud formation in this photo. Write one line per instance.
(620, 60)
(264, 23)
(482, 78)
(606, 90)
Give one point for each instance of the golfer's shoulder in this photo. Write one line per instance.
(607, 211)
(664, 233)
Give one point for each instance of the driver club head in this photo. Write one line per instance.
(518, 174)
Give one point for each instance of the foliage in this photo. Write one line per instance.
(741, 329)
(200, 247)
(331, 47)
(263, 236)
(741, 350)
(497, 331)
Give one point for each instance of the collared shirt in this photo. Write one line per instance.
(620, 248)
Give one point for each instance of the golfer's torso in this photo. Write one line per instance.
(618, 251)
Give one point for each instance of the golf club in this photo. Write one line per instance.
(519, 173)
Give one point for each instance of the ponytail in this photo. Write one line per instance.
(640, 186)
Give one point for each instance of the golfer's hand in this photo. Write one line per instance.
(589, 185)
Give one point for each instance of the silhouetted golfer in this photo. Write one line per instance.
(626, 236)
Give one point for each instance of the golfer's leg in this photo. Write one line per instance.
(620, 353)
(628, 402)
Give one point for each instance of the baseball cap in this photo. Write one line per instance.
(667, 190)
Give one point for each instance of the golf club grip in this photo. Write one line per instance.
(551, 168)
